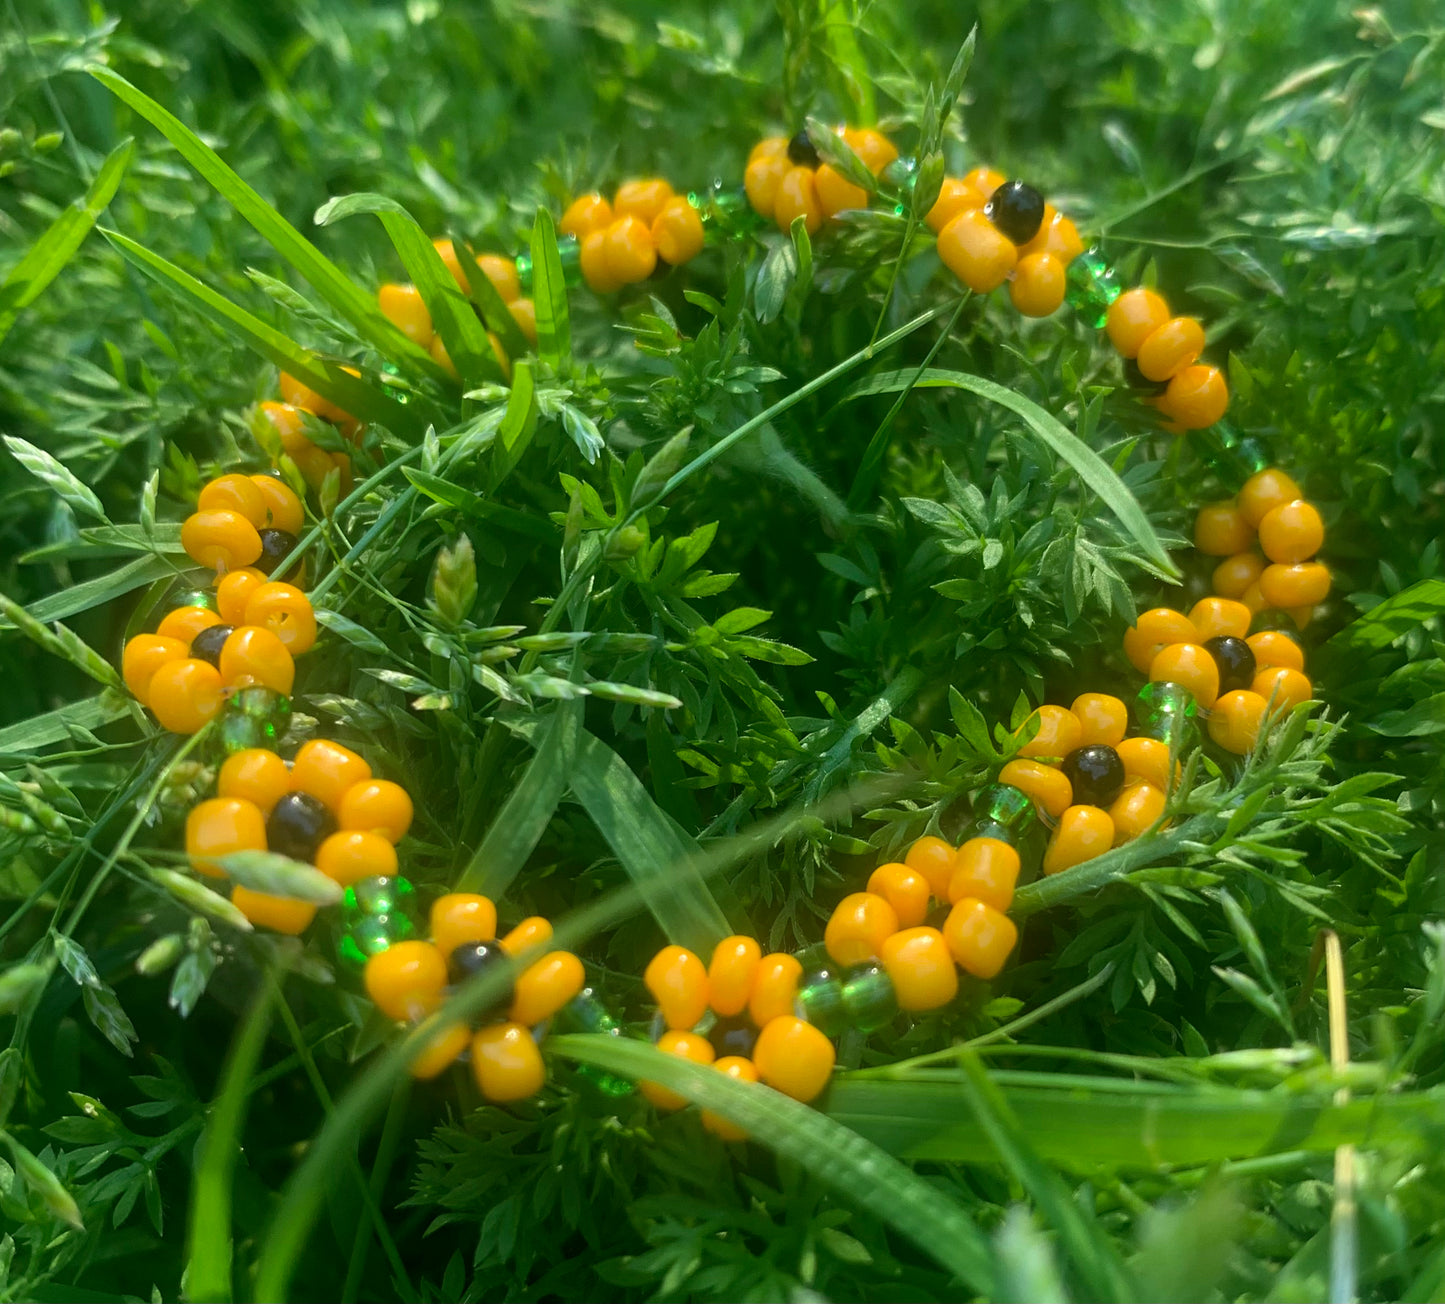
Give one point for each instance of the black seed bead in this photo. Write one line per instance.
(1017, 210)
(276, 546)
(1141, 383)
(734, 1036)
(472, 958)
(207, 645)
(1235, 659)
(1095, 773)
(801, 152)
(298, 825)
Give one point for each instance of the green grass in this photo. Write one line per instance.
(850, 522)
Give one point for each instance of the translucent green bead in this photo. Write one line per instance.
(372, 935)
(569, 251)
(261, 704)
(254, 717)
(192, 598)
(378, 896)
(1091, 286)
(991, 829)
(585, 1012)
(1166, 711)
(523, 264)
(1002, 803)
(820, 1002)
(868, 998)
(727, 208)
(239, 733)
(1232, 456)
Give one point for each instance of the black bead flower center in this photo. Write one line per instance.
(1235, 659)
(1095, 773)
(1017, 210)
(472, 958)
(801, 152)
(207, 645)
(298, 825)
(276, 546)
(733, 1036)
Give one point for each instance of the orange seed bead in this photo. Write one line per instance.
(447, 252)
(1264, 491)
(1233, 576)
(953, 198)
(769, 147)
(1133, 317)
(1169, 348)
(836, 193)
(1134, 810)
(185, 695)
(524, 313)
(254, 774)
(376, 806)
(933, 858)
(730, 975)
(872, 147)
(545, 987)
(252, 655)
(502, 273)
(979, 938)
(286, 612)
(1196, 398)
(797, 196)
(1301, 585)
(985, 181)
(793, 1057)
(220, 826)
(220, 539)
(742, 1069)
(677, 232)
(1292, 532)
(1156, 630)
(1058, 733)
(1047, 786)
(584, 215)
(234, 493)
(596, 270)
(284, 510)
(976, 252)
(1037, 287)
(687, 1045)
(1220, 530)
(1147, 759)
(631, 256)
(1273, 647)
(184, 623)
(403, 306)
(1282, 687)
(461, 917)
(858, 927)
(1214, 617)
(643, 199)
(349, 856)
(144, 655)
(1058, 236)
(921, 967)
(407, 980)
(532, 934)
(439, 1051)
(1083, 833)
(1191, 666)
(1104, 719)
(678, 982)
(234, 591)
(326, 769)
(506, 1062)
(761, 181)
(775, 985)
(987, 870)
(279, 914)
(1235, 720)
(905, 889)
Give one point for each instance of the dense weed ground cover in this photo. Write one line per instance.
(837, 637)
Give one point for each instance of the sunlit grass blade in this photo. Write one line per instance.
(451, 314)
(482, 509)
(355, 396)
(489, 303)
(1087, 464)
(44, 259)
(346, 298)
(549, 294)
(660, 858)
(524, 816)
(857, 1170)
(56, 726)
(1383, 624)
(208, 1237)
(103, 588)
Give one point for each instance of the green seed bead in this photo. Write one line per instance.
(586, 1013)
(1002, 803)
(727, 208)
(376, 896)
(868, 998)
(372, 935)
(1166, 711)
(1232, 456)
(820, 1002)
(990, 829)
(238, 733)
(1091, 286)
(192, 598)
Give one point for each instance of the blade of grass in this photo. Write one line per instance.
(58, 725)
(506, 518)
(854, 1168)
(55, 246)
(355, 396)
(451, 313)
(489, 302)
(208, 1236)
(549, 294)
(103, 588)
(1087, 464)
(658, 856)
(348, 299)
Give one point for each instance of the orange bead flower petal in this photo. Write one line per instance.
(461, 917)
(905, 889)
(858, 927)
(794, 1057)
(979, 937)
(933, 858)
(1058, 733)
(1083, 833)
(730, 974)
(987, 870)
(921, 968)
(1047, 786)
(1191, 666)
(678, 982)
